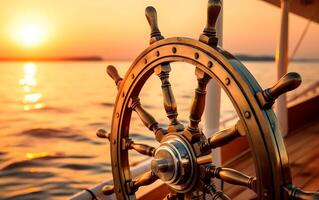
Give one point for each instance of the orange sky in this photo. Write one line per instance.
(117, 29)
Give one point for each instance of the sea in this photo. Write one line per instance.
(50, 111)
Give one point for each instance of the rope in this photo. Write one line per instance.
(303, 35)
(300, 40)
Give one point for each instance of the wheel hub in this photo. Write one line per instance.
(175, 163)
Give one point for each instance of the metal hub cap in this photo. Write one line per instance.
(174, 163)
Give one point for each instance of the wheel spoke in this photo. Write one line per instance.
(216, 195)
(198, 104)
(101, 133)
(287, 83)
(140, 148)
(170, 106)
(151, 17)
(296, 193)
(234, 177)
(147, 119)
(225, 136)
(112, 72)
(209, 34)
(108, 190)
(143, 180)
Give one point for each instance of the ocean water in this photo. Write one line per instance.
(50, 112)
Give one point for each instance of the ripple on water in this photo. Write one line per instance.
(73, 166)
(40, 161)
(141, 137)
(37, 193)
(107, 104)
(96, 168)
(46, 190)
(186, 96)
(44, 186)
(22, 164)
(98, 124)
(65, 188)
(26, 174)
(53, 109)
(66, 133)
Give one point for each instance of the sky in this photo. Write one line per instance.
(117, 29)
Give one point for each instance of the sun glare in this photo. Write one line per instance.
(29, 35)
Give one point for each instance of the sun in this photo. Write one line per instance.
(29, 35)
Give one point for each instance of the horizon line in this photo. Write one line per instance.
(242, 57)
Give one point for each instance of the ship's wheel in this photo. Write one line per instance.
(182, 160)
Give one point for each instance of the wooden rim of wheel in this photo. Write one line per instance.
(260, 123)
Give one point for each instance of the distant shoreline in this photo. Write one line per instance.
(242, 57)
(267, 58)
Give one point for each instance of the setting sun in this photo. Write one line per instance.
(29, 35)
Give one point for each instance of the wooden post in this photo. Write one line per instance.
(282, 65)
(212, 110)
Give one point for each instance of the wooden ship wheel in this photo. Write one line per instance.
(183, 158)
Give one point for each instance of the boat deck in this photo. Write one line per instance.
(303, 150)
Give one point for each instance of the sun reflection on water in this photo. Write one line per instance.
(32, 98)
(37, 155)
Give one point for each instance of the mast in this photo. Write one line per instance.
(282, 65)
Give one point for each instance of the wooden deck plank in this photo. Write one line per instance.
(303, 150)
